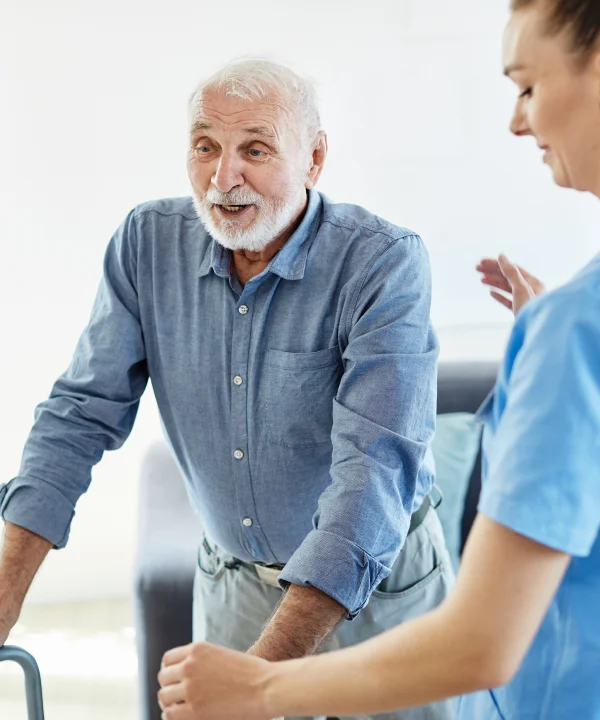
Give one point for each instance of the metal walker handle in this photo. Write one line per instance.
(33, 681)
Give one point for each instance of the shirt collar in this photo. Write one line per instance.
(217, 258)
(290, 261)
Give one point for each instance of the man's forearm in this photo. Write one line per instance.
(302, 621)
(22, 554)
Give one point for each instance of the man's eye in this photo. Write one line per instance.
(256, 153)
(203, 148)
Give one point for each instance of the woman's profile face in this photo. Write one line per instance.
(558, 98)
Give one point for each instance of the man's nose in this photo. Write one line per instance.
(228, 173)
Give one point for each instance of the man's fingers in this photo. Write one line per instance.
(175, 656)
(502, 300)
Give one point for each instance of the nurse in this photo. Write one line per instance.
(524, 618)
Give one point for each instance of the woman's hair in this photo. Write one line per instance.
(580, 17)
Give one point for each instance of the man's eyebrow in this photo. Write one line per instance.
(262, 131)
(201, 125)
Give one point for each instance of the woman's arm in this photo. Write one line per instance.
(476, 639)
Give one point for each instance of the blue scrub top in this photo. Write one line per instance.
(542, 480)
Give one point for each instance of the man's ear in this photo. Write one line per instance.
(319, 153)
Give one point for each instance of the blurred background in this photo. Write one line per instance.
(93, 121)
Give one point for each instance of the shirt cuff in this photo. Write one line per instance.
(336, 566)
(38, 507)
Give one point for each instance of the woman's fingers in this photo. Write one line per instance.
(502, 299)
(490, 267)
(519, 284)
(537, 285)
(497, 282)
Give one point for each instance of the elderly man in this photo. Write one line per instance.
(291, 354)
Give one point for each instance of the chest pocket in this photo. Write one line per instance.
(300, 392)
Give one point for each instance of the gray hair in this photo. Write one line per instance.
(259, 78)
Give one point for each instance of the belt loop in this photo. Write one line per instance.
(233, 564)
(440, 494)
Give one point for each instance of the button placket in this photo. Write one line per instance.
(239, 416)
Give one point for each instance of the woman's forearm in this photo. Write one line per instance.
(420, 662)
(476, 639)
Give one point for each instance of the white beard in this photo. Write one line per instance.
(272, 218)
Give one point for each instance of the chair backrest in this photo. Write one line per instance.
(462, 387)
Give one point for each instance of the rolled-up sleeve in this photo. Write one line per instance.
(383, 422)
(91, 408)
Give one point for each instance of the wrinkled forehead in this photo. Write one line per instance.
(230, 113)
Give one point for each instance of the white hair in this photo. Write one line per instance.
(259, 78)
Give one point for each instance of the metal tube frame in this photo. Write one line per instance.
(33, 680)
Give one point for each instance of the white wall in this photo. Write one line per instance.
(93, 121)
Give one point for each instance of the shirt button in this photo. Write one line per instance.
(237, 380)
(247, 522)
(243, 309)
(238, 454)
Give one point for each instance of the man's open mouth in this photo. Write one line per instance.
(232, 208)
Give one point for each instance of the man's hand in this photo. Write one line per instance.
(212, 683)
(502, 274)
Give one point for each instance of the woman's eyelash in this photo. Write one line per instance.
(525, 93)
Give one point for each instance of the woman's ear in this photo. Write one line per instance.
(595, 68)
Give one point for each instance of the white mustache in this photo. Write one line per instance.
(237, 196)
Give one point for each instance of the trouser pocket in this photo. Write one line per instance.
(210, 560)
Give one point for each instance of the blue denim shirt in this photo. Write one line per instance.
(300, 407)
